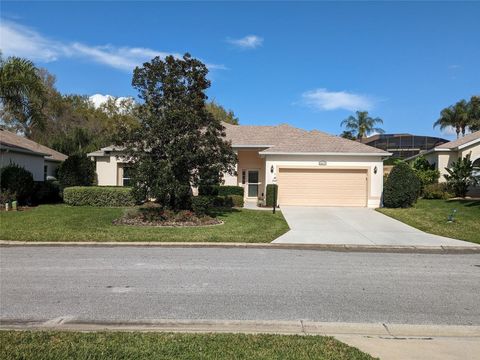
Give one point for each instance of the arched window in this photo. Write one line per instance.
(476, 168)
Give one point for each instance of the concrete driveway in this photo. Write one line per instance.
(354, 226)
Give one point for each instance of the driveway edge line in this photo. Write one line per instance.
(322, 247)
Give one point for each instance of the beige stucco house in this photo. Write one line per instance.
(311, 168)
(40, 160)
(443, 156)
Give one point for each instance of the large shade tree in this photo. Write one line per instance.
(22, 95)
(362, 125)
(178, 143)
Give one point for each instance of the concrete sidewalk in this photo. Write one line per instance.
(386, 341)
(355, 226)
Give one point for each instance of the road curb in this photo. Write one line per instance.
(299, 327)
(320, 247)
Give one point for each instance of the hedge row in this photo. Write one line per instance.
(272, 189)
(98, 196)
(220, 190)
(201, 204)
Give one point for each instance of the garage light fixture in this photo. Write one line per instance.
(375, 170)
(271, 169)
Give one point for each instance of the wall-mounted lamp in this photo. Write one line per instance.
(271, 169)
(375, 170)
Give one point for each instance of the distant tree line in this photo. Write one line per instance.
(70, 123)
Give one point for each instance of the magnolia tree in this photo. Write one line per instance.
(179, 143)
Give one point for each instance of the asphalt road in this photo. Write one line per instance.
(134, 283)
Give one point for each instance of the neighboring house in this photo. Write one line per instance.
(311, 168)
(40, 160)
(403, 145)
(444, 155)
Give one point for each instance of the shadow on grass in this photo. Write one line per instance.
(222, 211)
(465, 202)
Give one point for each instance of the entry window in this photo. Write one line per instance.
(243, 177)
(45, 172)
(126, 181)
(253, 183)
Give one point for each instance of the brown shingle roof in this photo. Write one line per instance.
(288, 139)
(461, 141)
(14, 140)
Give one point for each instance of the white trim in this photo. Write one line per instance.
(473, 142)
(251, 146)
(324, 153)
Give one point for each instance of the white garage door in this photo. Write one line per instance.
(322, 187)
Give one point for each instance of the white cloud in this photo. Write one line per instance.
(22, 41)
(123, 103)
(322, 99)
(247, 42)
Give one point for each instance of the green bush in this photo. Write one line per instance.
(202, 204)
(270, 200)
(237, 200)
(220, 190)
(98, 196)
(77, 170)
(460, 176)
(436, 191)
(427, 177)
(16, 180)
(402, 187)
(46, 192)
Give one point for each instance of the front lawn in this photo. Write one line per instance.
(431, 216)
(67, 223)
(126, 345)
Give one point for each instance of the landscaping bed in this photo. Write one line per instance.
(152, 215)
(84, 223)
(54, 345)
(432, 216)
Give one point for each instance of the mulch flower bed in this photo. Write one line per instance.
(155, 216)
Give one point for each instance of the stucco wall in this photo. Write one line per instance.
(107, 170)
(251, 160)
(375, 180)
(32, 163)
(52, 167)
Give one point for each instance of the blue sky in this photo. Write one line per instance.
(309, 64)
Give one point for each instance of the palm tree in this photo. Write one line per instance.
(22, 94)
(455, 116)
(474, 113)
(362, 125)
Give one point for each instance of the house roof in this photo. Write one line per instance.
(285, 139)
(465, 140)
(19, 143)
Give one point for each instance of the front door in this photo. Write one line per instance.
(252, 183)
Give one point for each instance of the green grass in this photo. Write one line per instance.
(137, 346)
(67, 223)
(431, 216)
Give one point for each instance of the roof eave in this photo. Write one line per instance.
(324, 153)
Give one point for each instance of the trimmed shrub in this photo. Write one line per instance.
(227, 201)
(6, 196)
(77, 170)
(237, 200)
(402, 187)
(16, 180)
(201, 204)
(46, 192)
(270, 200)
(436, 191)
(98, 196)
(224, 190)
(220, 190)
